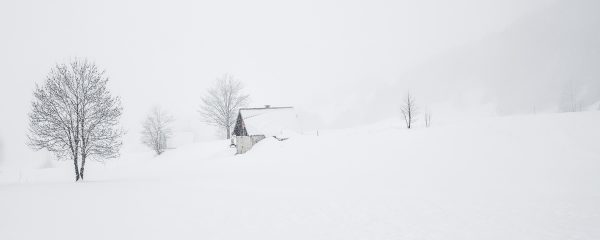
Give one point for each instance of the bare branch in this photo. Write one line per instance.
(409, 110)
(74, 115)
(156, 130)
(220, 104)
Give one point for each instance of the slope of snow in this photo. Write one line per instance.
(528, 177)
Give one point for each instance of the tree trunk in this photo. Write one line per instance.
(82, 167)
(76, 169)
(228, 133)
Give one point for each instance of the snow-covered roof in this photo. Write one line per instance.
(270, 121)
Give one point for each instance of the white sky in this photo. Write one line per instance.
(310, 54)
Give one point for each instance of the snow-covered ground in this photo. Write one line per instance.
(526, 177)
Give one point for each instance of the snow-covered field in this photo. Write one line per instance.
(527, 177)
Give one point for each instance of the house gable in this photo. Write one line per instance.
(240, 129)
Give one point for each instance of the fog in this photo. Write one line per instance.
(1, 152)
(534, 65)
(340, 63)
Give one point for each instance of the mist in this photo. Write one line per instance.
(1, 152)
(339, 63)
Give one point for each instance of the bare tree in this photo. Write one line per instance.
(427, 117)
(74, 115)
(409, 110)
(221, 103)
(156, 130)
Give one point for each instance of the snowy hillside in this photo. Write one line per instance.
(535, 64)
(528, 177)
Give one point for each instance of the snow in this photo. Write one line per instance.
(526, 177)
(280, 122)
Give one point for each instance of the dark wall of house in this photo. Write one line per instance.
(240, 128)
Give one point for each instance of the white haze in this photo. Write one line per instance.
(531, 66)
(340, 63)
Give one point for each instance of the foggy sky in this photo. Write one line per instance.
(532, 66)
(324, 57)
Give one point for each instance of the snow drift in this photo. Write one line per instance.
(529, 177)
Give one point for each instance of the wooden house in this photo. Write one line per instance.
(255, 124)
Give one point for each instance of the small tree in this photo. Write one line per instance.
(74, 115)
(409, 110)
(221, 103)
(156, 130)
(427, 117)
